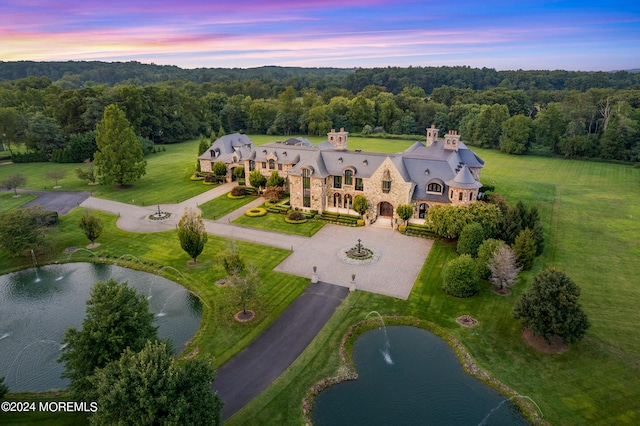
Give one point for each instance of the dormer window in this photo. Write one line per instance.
(434, 187)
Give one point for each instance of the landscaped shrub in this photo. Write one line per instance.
(471, 237)
(209, 178)
(256, 212)
(401, 228)
(295, 217)
(196, 177)
(360, 222)
(238, 191)
(460, 277)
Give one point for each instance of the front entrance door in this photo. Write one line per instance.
(386, 209)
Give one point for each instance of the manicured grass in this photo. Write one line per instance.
(590, 213)
(275, 222)
(223, 205)
(9, 201)
(166, 180)
(219, 336)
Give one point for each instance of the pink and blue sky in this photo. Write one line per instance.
(545, 34)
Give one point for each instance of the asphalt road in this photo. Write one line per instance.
(251, 371)
(58, 201)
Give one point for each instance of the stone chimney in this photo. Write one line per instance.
(451, 140)
(432, 135)
(338, 139)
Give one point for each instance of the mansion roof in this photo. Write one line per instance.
(418, 164)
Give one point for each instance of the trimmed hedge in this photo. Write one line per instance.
(341, 219)
(256, 212)
(294, 222)
(420, 231)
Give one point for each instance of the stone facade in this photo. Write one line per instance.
(328, 176)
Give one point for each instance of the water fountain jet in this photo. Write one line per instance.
(385, 353)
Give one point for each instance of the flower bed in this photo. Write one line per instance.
(256, 212)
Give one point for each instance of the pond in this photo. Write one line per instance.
(410, 376)
(37, 305)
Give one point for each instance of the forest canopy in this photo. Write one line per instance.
(49, 110)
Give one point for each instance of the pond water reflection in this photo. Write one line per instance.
(37, 305)
(424, 384)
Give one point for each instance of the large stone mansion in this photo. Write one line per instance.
(328, 176)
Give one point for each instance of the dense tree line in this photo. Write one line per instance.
(560, 113)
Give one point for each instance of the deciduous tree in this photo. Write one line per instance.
(55, 175)
(550, 307)
(275, 180)
(360, 204)
(14, 182)
(404, 211)
(22, 229)
(192, 233)
(118, 318)
(256, 179)
(504, 271)
(119, 159)
(91, 225)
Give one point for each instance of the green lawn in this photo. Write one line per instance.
(275, 222)
(223, 205)
(166, 181)
(9, 201)
(219, 336)
(590, 212)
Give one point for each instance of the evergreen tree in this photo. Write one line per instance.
(525, 248)
(117, 318)
(550, 307)
(148, 387)
(119, 159)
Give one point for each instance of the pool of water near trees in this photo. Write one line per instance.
(411, 377)
(37, 305)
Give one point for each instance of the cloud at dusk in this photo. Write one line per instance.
(350, 33)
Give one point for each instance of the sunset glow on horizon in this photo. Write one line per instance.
(569, 35)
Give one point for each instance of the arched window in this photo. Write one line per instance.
(434, 187)
(348, 201)
(348, 177)
(272, 164)
(337, 200)
(422, 210)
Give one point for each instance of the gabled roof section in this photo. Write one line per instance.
(223, 148)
